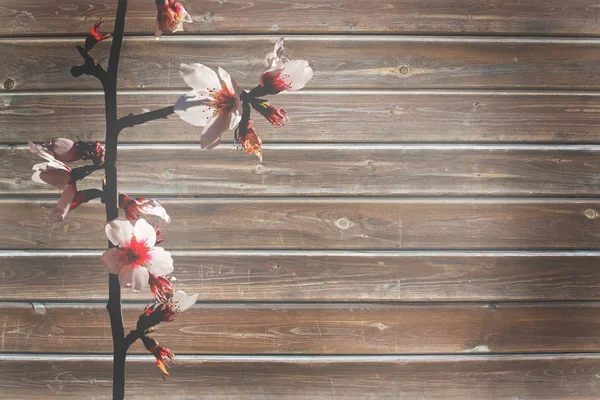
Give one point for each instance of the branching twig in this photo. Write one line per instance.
(89, 67)
(138, 119)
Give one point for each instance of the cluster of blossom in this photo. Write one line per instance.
(141, 265)
(217, 104)
(135, 258)
(55, 172)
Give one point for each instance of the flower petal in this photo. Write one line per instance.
(275, 59)
(299, 73)
(183, 301)
(126, 276)
(59, 178)
(139, 279)
(228, 82)
(112, 260)
(144, 231)
(161, 262)
(186, 15)
(38, 151)
(194, 108)
(211, 135)
(199, 77)
(119, 231)
(64, 203)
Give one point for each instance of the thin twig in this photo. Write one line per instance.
(138, 119)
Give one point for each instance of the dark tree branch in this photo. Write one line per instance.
(89, 67)
(111, 200)
(138, 119)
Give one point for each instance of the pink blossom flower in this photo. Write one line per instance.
(66, 150)
(167, 311)
(214, 103)
(136, 208)
(282, 74)
(170, 18)
(57, 174)
(135, 258)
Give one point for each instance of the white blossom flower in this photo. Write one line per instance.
(136, 208)
(57, 174)
(282, 74)
(135, 257)
(214, 102)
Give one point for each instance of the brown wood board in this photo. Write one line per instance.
(325, 170)
(336, 223)
(298, 378)
(321, 276)
(327, 116)
(315, 328)
(534, 17)
(367, 62)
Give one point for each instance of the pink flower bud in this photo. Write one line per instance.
(171, 16)
(275, 115)
(246, 137)
(163, 355)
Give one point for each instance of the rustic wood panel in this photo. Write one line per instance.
(328, 116)
(326, 170)
(296, 223)
(317, 276)
(534, 17)
(366, 62)
(299, 378)
(315, 328)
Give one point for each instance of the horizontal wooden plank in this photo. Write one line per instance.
(299, 378)
(325, 170)
(328, 116)
(318, 276)
(386, 62)
(315, 328)
(534, 17)
(297, 223)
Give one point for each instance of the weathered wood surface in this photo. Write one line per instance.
(299, 378)
(367, 62)
(325, 170)
(533, 17)
(328, 116)
(317, 276)
(297, 223)
(315, 328)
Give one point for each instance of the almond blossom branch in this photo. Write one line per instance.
(138, 119)
(111, 199)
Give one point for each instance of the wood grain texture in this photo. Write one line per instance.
(315, 328)
(300, 378)
(366, 62)
(328, 116)
(325, 170)
(294, 223)
(534, 17)
(314, 276)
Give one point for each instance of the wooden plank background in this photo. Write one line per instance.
(426, 227)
